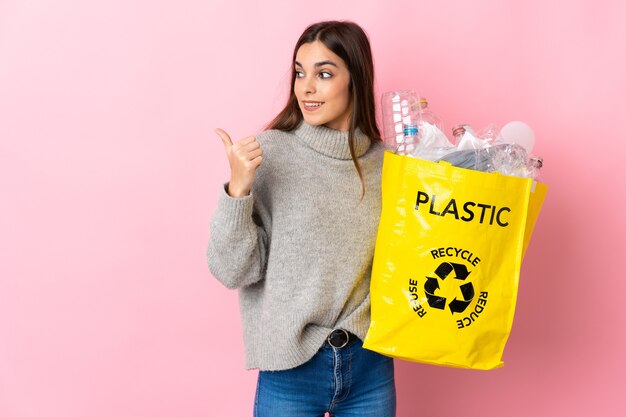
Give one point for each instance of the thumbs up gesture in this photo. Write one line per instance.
(244, 158)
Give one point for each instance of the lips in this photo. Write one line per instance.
(312, 105)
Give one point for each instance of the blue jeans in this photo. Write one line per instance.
(345, 382)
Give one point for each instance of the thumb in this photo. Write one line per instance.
(225, 138)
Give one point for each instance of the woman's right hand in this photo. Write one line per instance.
(244, 158)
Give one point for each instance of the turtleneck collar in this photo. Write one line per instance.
(331, 142)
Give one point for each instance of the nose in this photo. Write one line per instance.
(308, 85)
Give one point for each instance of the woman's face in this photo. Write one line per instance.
(322, 86)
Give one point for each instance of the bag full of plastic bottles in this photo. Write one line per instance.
(457, 217)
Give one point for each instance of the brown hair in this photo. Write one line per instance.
(348, 41)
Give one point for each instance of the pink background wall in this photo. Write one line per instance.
(109, 171)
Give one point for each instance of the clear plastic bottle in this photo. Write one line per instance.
(535, 162)
(431, 143)
(399, 109)
(410, 140)
(457, 132)
(512, 159)
(490, 134)
(431, 127)
(466, 138)
(427, 115)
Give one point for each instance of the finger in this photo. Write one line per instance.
(257, 161)
(246, 148)
(253, 145)
(255, 153)
(246, 141)
(226, 140)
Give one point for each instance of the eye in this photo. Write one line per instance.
(299, 74)
(325, 74)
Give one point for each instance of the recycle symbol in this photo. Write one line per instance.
(432, 285)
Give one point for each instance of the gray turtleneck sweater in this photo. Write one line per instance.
(299, 248)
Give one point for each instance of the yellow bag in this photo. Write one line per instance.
(446, 266)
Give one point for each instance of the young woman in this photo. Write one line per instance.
(294, 231)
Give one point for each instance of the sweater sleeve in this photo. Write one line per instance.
(237, 246)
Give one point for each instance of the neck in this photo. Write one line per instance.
(332, 142)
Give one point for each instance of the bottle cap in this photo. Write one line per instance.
(458, 130)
